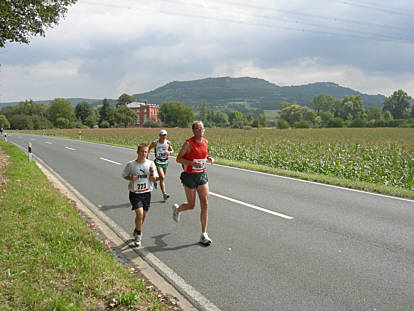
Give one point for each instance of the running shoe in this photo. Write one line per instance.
(176, 213)
(137, 239)
(165, 195)
(205, 240)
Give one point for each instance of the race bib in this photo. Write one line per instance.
(202, 168)
(140, 186)
(161, 155)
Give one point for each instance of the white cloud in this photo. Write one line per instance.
(105, 48)
(310, 70)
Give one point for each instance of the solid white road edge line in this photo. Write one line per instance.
(111, 161)
(252, 206)
(178, 282)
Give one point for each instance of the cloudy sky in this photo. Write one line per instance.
(102, 50)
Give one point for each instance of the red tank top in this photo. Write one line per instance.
(198, 151)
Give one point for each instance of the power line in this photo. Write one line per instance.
(335, 19)
(359, 35)
(384, 36)
(377, 8)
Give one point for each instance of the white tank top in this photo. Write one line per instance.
(161, 156)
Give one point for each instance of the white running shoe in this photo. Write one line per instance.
(205, 240)
(165, 195)
(137, 239)
(176, 213)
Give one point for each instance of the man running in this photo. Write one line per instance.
(140, 173)
(193, 156)
(162, 148)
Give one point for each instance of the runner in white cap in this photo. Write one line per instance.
(163, 149)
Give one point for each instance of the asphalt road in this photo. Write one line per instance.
(278, 243)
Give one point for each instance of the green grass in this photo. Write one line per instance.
(49, 258)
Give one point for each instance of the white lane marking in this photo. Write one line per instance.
(252, 206)
(315, 183)
(111, 161)
(70, 148)
(48, 142)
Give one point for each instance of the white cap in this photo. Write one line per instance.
(163, 132)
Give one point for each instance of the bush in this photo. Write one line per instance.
(335, 122)
(389, 123)
(282, 124)
(104, 124)
(302, 124)
(62, 123)
(358, 123)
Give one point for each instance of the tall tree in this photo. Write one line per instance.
(82, 111)
(92, 119)
(323, 103)
(261, 120)
(4, 123)
(125, 99)
(106, 113)
(374, 113)
(235, 117)
(294, 113)
(59, 109)
(125, 116)
(20, 20)
(398, 104)
(176, 114)
(21, 122)
(221, 119)
(350, 108)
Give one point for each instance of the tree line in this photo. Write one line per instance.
(60, 113)
(324, 111)
(329, 111)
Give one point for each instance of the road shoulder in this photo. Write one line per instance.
(118, 245)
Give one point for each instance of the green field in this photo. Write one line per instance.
(377, 156)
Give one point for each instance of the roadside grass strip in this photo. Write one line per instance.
(50, 259)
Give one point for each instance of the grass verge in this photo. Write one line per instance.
(49, 258)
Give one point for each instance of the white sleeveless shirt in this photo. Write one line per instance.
(161, 150)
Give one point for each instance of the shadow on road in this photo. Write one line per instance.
(123, 205)
(108, 207)
(161, 246)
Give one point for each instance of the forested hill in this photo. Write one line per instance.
(258, 92)
(220, 92)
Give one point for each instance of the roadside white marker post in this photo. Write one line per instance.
(80, 134)
(29, 149)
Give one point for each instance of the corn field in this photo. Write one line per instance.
(378, 155)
